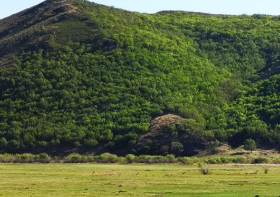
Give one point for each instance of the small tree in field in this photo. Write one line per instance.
(250, 145)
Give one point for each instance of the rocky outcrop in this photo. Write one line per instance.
(166, 131)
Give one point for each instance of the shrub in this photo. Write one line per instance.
(186, 160)
(73, 158)
(6, 158)
(226, 160)
(84, 159)
(91, 159)
(276, 161)
(260, 160)
(250, 145)
(213, 160)
(239, 160)
(130, 158)
(24, 158)
(108, 158)
(171, 158)
(43, 158)
(145, 159)
(160, 159)
(122, 160)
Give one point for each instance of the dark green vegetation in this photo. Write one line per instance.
(250, 145)
(83, 77)
(97, 180)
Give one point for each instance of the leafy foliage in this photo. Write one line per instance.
(250, 145)
(107, 73)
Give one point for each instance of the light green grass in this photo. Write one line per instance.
(94, 180)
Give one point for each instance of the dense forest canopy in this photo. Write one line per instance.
(82, 75)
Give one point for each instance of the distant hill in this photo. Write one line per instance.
(81, 77)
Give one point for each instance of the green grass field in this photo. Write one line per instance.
(99, 180)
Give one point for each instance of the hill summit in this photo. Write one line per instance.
(81, 77)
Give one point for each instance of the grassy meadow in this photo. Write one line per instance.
(101, 180)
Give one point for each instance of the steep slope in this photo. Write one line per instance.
(49, 25)
(85, 76)
(256, 114)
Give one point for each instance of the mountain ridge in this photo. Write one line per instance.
(92, 78)
(23, 24)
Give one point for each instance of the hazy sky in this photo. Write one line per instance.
(272, 7)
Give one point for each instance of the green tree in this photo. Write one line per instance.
(250, 144)
(177, 148)
(13, 145)
(3, 143)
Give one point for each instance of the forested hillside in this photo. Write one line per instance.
(80, 75)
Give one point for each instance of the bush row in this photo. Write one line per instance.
(25, 158)
(128, 159)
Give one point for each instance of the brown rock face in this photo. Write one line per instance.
(164, 121)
